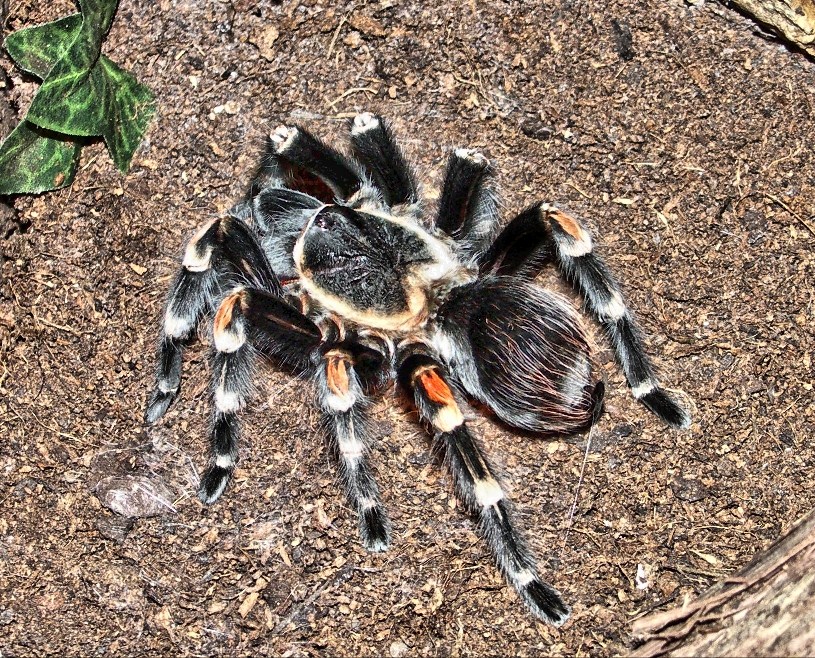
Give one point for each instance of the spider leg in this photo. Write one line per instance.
(477, 485)
(344, 409)
(249, 320)
(375, 147)
(252, 320)
(468, 207)
(309, 164)
(565, 240)
(220, 249)
(190, 294)
(523, 248)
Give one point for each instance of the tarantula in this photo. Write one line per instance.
(332, 267)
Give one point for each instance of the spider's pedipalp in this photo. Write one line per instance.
(344, 409)
(468, 207)
(304, 155)
(476, 483)
(603, 297)
(374, 146)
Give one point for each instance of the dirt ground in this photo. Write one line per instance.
(682, 133)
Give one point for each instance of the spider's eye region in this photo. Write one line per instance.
(333, 240)
(364, 260)
(326, 221)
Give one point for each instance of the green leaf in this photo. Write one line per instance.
(100, 12)
(69, 99)
(37, 49)
(88, 95)
(129, 108)
(32, 160)
(83, 94)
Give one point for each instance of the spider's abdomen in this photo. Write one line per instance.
(522, 351)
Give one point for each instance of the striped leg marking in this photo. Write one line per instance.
(231, 381)
(595, 282)
(190, 297)
(345, 420)
(248, 321)
(478, 487)
(221, 241)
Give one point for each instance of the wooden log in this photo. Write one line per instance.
(767, 609)
(793, 19)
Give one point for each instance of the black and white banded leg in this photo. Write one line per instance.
(468, 207)
(221, 248)
(344, 409)
(575, 257)
(231, 381)
(477, 485)
(191, 295)
(248, 321)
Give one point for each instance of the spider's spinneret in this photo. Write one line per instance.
(331, 267)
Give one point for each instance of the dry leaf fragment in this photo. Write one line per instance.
(265, 42)
(368, 25)
(248, 603)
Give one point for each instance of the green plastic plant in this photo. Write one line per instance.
(83, 94)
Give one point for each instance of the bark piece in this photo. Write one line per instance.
(767, 609)
(794, 19)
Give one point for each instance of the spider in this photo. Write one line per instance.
(332, 267)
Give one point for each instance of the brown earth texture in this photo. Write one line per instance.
(679, 131)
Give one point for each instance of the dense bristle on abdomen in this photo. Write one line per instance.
(521, 350)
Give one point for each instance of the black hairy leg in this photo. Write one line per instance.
(476, 484)
(575, 257)
(522, 351)
(468, 207)
(310, 165)
(523, 248)
(248, 321)
(345, 421)
(375, 147)
(222, 251)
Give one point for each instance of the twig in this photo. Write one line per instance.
(579, 484)
(69, 330)
(348, 92)
(342, 22)
(775, 199)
